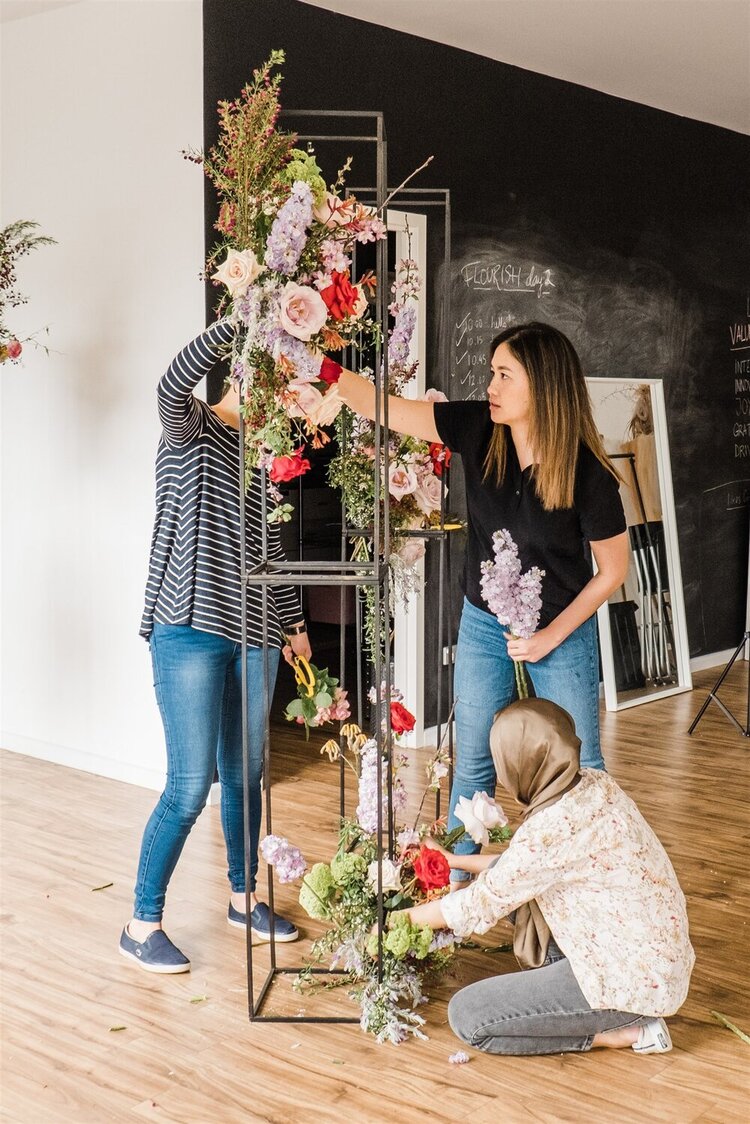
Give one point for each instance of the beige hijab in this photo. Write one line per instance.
(537, 759)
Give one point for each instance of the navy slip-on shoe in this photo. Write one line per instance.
(155, 954)
(260, 923)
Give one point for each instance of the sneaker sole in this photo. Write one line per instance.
(263, 936)
(160, 969)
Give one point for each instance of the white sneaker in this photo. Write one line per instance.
(653, 1038)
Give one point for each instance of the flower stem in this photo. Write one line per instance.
(522, 685)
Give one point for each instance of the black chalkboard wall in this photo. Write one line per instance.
(623, 225)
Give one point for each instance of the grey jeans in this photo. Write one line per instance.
(541, 1011)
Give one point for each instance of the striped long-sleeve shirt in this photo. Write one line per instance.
(194, 567)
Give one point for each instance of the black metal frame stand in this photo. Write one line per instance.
(342, 573)
(712, 695)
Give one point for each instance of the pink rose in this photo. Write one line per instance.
(13, 348)
(332, 212)
(360, 306)
(427, 493)
(411, 551)
(303, 311)
(238, 271)
(402, 480)
(433, 395)
(307, 398)
(328, 408)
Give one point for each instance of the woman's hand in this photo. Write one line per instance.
(297, 646)
(435, 846)
(529, 651)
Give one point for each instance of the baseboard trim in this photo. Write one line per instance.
(81, 759)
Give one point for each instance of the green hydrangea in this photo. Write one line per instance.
(303, 167)
(348, 868)
(403, 939)
(317, 890)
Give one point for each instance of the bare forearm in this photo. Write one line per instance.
(593, 594)
(406, 415)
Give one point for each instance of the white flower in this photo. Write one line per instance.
(479, 814)
(391, 875)
(433, 395)
(302, 311)
(427, 493)
(238, 271)
(407, 838)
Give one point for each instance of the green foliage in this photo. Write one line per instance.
(303, 166)
(316, 892)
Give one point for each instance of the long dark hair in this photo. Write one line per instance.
(561, 415)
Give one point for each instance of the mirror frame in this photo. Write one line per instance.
(671, 546)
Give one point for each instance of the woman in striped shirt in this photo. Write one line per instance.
(192, 620)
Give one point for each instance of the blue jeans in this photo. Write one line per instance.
(485, 683)
(198, 683)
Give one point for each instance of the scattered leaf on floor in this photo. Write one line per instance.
(106, 886)
(730, 1026)
(199, 999)
(337, 1061)
(113, 1028)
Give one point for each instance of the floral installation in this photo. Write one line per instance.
(415, 487)
(16, 240)
(319, 700)
(286, 859)
(386, 975)
(284, 261)
(513, 596)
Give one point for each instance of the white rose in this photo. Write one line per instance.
(427, 493)
(479, 814)
(238, 271)
(433, 395)
(391, 875)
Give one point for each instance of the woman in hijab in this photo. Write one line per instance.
(599, 916)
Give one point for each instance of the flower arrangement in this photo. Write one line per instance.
(514, 597)
(387, 975)
(16, 240)
(284, 261)
(319, 700)
(414, 488)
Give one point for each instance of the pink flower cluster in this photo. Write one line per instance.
(286, 859)
(514, 597)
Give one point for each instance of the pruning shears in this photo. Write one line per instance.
(304, 675)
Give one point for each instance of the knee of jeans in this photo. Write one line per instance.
(187, 802)
(460, 1018)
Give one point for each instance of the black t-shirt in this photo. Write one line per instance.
(556, 541)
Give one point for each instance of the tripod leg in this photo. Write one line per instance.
(715, 688)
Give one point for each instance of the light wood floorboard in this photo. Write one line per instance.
(64, 986)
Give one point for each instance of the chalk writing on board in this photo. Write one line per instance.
(507, 277)
(739, 336)
(492, 290)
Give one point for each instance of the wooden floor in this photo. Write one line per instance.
(88, 1037)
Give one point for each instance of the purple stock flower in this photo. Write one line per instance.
(286, 859)
(400, 336)
(514, 597)
(367, 808)
(288, 235)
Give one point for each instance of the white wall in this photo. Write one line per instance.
(98, 99)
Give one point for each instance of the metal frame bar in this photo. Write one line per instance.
(341, 573)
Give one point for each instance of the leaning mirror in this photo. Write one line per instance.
(642, 629)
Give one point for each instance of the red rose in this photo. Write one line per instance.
(439, 456)
(14, 349)
(330, 372)
(402, 720)
(341, 296)
(431, 869)
(287, 468)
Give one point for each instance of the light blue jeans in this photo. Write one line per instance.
(485, 683)
(198, 683)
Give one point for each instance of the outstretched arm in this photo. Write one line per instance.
(405, 415)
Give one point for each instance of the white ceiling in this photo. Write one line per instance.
(690, 57)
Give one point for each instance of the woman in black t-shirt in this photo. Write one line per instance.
(535, 466)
